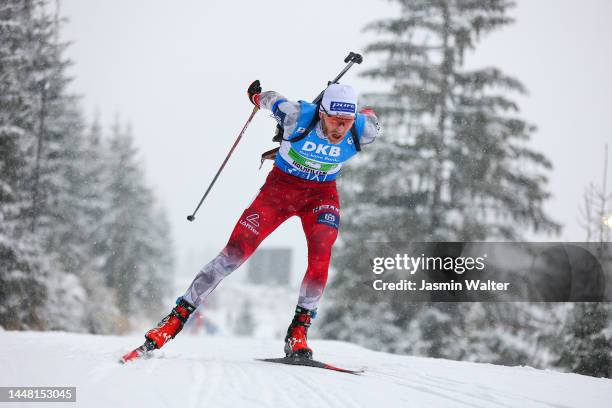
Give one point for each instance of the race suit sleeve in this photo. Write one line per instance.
(372, 128)
(285, 112)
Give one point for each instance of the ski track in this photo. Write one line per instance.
(205, 382)
(442, 393)
(481, 397)
(223, 372)
(274, 393)
(488, 394)
(309, 384)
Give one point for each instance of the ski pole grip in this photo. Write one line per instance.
(354, 57)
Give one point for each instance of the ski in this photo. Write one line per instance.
(139, 352)
(310, 363)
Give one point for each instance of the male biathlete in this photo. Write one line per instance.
(318, 139)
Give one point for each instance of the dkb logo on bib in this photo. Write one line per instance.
(327, 150)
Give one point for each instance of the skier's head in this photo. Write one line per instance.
(337, 112)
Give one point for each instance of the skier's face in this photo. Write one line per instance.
(336, 127)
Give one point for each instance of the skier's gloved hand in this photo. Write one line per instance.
(254, 91)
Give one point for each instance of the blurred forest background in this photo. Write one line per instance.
(84, 242)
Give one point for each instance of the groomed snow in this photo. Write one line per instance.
(222, 372)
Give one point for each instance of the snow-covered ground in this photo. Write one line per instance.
(194, 371)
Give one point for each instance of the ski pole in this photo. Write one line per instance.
(352, 58)
(192, 216)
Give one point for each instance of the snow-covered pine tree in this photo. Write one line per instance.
(96, 177)
(22, 287)
(54, 200)
(53, 146)
(123, 191)
(136, 238)
(86, 176)
(158, 263)
(454, 147)
(453, 164)
(506, 333)
(587, 344)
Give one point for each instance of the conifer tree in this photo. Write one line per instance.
(453, 163)
(136, 237)
(587, 345)
(22, 287)
(64, 192)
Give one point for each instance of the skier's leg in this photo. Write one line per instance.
(262, 217)
(320, 220)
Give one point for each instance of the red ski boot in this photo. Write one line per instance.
(170, 325)
(295, 341)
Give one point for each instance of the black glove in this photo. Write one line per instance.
(254, 91)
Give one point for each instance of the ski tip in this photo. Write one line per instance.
(143, 351)
(131, 356)
(344, 370)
